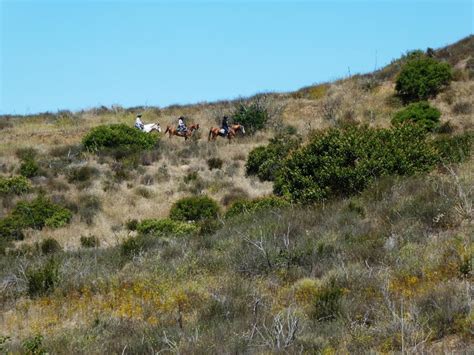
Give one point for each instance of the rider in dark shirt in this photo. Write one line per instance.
(225, 125)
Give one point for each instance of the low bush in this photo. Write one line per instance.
(50, 246)
(132, 247)
(214, 163)
(420, 113)
(194, 208)
(422, 78)
(16, 185)
(454, 149)
(341, 162)
(132, 224)
(29, 168)
(253, 116)
(233, 195)
(265, 162)
(26, 153)
(118, 137)
(163, 227)
(90, 241)
(33, 214)
(43, 279)
(251, 206)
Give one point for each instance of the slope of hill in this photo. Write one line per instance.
(386, 270)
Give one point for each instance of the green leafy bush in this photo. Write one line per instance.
(454, 149)
(132, 246)
(252, 116)
(162, 227)
(420, 113)
(251, 206)
(29, 168)
(341, 162)
(16, 185)
(265, 162)
(50, 246)
(90, 241)
(33, 214)
(194, 208)
(43, 279)
(422, 78)
(118, 136)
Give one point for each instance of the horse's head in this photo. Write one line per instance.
(194, 127)
(238, 127)
(158, 127)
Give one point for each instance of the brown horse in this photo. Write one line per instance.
(172, 131)
(215, 132)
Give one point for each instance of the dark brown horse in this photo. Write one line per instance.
(172, 131)
(216, 131)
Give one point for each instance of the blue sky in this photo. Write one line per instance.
(81, 54)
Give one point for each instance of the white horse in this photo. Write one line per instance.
(151, 127)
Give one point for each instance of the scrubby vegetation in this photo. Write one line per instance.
(194, 209)
(266, 161)
(180, 247)
(118, 137)
(420, 113)
(341, 162)
(422, 78)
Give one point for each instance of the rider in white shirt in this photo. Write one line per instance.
(181, 125)
(138, 123)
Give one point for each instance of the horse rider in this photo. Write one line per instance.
(138, 123)
(225, 126)
(181, 125)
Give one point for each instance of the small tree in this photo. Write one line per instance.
(194, 208)
(252, 116)
(420, 113)
(422, 78)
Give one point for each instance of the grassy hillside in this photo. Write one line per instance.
(387, 269)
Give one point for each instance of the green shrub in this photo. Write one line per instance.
(132, 246)
(327, 302)
(265, 162)
(214, 163)
(251, 206)
(132, 224)
(422, 78)
(43, 279)
(33, 214)
(454, 149)
(341, 162)
(16, 185)
(118, 137)
(420, 113)
(90, 241)
(194, 208)
(209, 226)
(29, 168)
(162, 227)
(252, 116)
(50, 246)
(34, 345)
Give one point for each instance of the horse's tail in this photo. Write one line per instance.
(167, 129)
(209, 137)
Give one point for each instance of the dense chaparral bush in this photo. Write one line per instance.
(422, 78)
(266, 161)
(420, 113)
(253, 116)
(162, 227)
(16, 185)
(194, 208)
(258, 204)
(118, 137)
(341, 162)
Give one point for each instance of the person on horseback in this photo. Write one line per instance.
(225, 126)
(181, 125)
(138, 123)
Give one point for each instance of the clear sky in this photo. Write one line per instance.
(80, 54)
